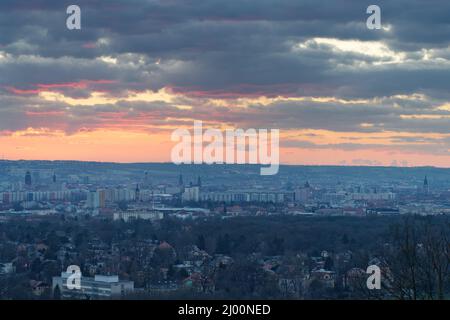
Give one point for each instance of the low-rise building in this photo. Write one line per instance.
(99, 287)
(7, 267)
(144, 215)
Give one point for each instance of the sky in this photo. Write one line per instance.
(339, 93)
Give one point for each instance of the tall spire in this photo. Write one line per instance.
(137, 193)
(425, 185)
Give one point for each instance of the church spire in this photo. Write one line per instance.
(425, 185)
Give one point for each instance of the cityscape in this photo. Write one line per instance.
(224, 158)
(162, 231)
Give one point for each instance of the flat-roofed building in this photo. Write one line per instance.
(97, 288)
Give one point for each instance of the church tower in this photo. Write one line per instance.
(137, 193)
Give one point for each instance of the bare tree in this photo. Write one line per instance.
(417, 260)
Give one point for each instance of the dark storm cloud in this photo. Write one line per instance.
(221, 44)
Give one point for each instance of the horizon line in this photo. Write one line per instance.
(234, 164)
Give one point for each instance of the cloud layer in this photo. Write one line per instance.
(310, 68)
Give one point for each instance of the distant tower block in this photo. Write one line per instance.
(54, 178)
(180, 180)
(28, 179)
(199, 182)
